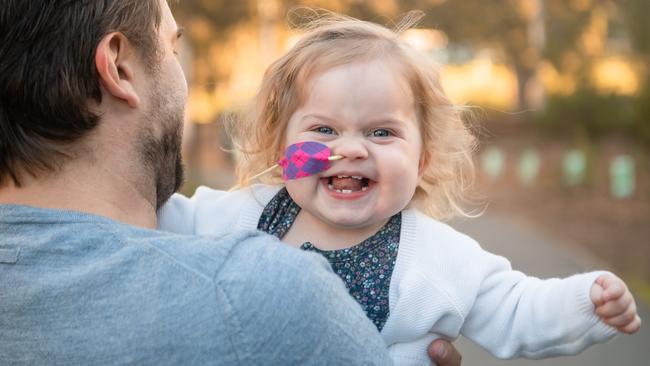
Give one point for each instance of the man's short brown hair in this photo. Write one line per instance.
(48, 74)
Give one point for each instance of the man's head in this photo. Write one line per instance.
(65, 65)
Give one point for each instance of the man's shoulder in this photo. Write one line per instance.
(216, 257)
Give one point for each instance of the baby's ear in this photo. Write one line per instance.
(424, 162)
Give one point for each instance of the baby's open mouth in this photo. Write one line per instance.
(347, 184)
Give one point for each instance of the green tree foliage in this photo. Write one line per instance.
(636, 18)
(639, 29)
(564, 25)
(589, 114)
(221, 14)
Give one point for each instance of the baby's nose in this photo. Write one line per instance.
(351, 148)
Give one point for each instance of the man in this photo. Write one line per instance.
(91, 106)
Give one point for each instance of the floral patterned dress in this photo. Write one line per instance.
(366, 268)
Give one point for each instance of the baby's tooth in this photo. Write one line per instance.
(347, 191)
(364, 189)
(357, 177)
(330, 186)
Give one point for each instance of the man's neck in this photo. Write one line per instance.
(91, 190)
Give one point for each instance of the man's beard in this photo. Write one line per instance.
(161, 155)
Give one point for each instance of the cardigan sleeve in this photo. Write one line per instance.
(212, 212)
(447, 285)
(177, 215)
(185, 215)
(514, 315)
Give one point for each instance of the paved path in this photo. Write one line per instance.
(542, 254)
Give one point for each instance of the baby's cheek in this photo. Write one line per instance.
(302, 190)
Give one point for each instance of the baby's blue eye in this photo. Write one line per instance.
(381, 132)
(324, 130)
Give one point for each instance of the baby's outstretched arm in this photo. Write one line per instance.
(615, 304)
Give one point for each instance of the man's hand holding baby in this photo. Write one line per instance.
(615, 304)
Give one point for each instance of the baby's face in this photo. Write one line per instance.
(365, 112)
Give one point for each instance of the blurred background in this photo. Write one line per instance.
(561, 90)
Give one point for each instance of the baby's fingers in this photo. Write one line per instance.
(596, 294)
(622, 320)
(633, 327)
(614, 290)
(616, 307)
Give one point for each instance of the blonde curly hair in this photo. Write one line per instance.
(333, 40)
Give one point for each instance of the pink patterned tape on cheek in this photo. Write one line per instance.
(306, 158)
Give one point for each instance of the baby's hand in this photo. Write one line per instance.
(615, 304)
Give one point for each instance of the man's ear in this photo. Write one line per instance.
(115, 60)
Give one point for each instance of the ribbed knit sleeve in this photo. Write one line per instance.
(444, 284)
(514, 315)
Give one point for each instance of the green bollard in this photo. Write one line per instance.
(574, 165)
(529, 164)
(622, 177)
(492, 162)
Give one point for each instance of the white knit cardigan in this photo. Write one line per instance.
(443, 285)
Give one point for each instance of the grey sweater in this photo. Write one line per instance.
(78, 289)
